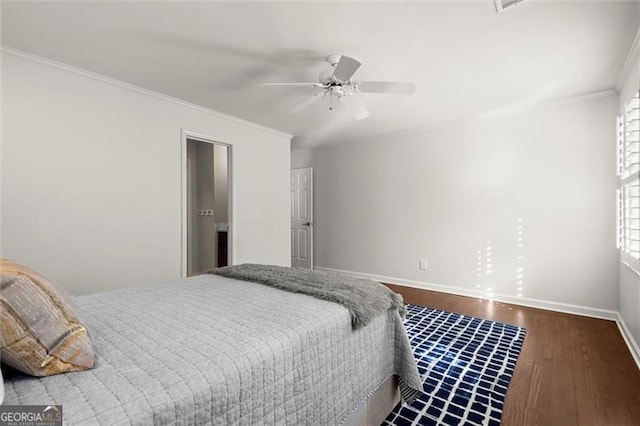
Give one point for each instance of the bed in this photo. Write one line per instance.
(215, 350)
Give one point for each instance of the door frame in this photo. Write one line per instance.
(186, 135)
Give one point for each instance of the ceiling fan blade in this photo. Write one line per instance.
(345, 68)
(307, 102)
(293, 84)
(387, 87)
(355, 106)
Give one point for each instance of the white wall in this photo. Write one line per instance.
(91, 179)
(456, 196)
(221, 185)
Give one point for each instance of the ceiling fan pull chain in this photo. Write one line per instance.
(330, 101)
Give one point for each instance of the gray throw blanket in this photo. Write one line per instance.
(365, 299)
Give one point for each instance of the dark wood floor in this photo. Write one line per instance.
(572, 370)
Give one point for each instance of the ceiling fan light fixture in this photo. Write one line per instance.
(337, 91)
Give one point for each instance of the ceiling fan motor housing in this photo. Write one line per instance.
(326, 76)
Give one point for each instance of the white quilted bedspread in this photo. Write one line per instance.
(212, 350)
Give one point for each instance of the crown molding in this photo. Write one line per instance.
(634, 51)
(138, 89)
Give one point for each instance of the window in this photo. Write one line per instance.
(628, 195)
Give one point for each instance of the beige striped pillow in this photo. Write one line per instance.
(40, 333)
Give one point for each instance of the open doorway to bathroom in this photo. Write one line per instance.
(206, 205)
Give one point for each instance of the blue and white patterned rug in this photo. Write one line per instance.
(466, 364)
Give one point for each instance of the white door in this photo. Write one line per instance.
(302, 218)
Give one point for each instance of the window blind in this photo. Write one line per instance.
(632, 219)
(628, 195)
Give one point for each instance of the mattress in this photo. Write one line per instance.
(213, 350)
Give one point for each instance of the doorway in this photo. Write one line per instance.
(206, 205)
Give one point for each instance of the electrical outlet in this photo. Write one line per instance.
(423, 264)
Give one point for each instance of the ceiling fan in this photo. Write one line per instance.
(336, 83)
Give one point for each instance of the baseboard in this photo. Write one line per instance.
(523, 301)
(628, 338)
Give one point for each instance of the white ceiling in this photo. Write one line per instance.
(465, 58)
